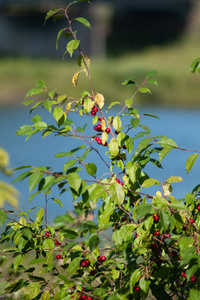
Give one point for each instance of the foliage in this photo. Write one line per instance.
(137, 244)
(7, 191)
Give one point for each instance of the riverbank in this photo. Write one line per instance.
(176, 85)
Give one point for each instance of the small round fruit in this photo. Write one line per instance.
(124, 147)
(97, 138)
(103, 258)
(157, 233)
(87, 262)
(95, 109)
(47, 234)
(173, 253)
(83, 297)
(116, 132)
(83, 264)
(121, 183)
(193, 278)
(136, 288)
(99, 141)
(58, 256)
(183, 274)
(57, 243)
(93, 113)
(108, 130)
(154, 246)
(92, 272)
(99, 127)
(192, 221)
(95, 128)
(106, 144)
(156, 218)
(82, 288)
(198, 206)
(89, 298)
(117, 180)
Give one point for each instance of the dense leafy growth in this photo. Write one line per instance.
(121, 242)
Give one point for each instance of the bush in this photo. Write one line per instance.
(120, 242)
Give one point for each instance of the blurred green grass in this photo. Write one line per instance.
(176, 85)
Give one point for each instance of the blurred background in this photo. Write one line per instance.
(129, 38)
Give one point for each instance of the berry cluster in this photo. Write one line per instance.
(156, 218)
(101, 258)
(118, 181)
(94, 111)
(85, 263)
(85, 297)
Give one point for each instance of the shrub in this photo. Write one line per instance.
(120, 242)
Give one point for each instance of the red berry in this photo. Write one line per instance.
(89, 298)
(92, 272)
(82, 288)
(103, 258)
(83, 264)
(198, 206)
(95, 128)
(121, 183)
(118, 180)
(57, 243)
(185, 227)
(157, 233)
(136, 288)
(192, 221)
(108, 130)
(106, 144)
(116, 132)
(99, 127)
(97, 138)
(156, 218)
(95, 109)
(87, 262)
(124, 147)
(47, 234)
(93, 113)
(84, 297)
(100, 119)
(193, 278)
(99, 141)
(58, 256)
(154, 246)
(183, 274)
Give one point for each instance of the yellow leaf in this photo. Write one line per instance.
(103, 125)
(104, 137)
(99, 99)
(75, 78)
(158, 194)
(68, 107)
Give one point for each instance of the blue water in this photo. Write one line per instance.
(181, 125)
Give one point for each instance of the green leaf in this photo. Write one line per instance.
(39, 216)
(144, 284)
(34, 179)
(3, 217)
(113, 148)
(117, 237)
(151, 73)
(130, 80)
(195, 65)
(113, 103)
(91, 169)
(129, 102)
(48, 244)
(31, 291)
(172, 179)
(69, 164)
(149, 115)
(150, 182)
(167, 142)
(55, 200)
(58, 114)
(14, 287)
(73, 266)
(117, 122)
(27, 102)
(143, 210)
(26, 232)
(70, 234)
(134, 122)
(152, 81)
(93, 242)
(74, 181)
(194, 295)
(164, 152)
(144, 90)
(45, 295)
(17, 261)
(34, 91)
(178, 205)
(72, 45)
(58, 37)
(190, 162)
(48, 104)
(135, 277)
(51, 13)
(117, 193)
(84, 22)
(23, 130)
